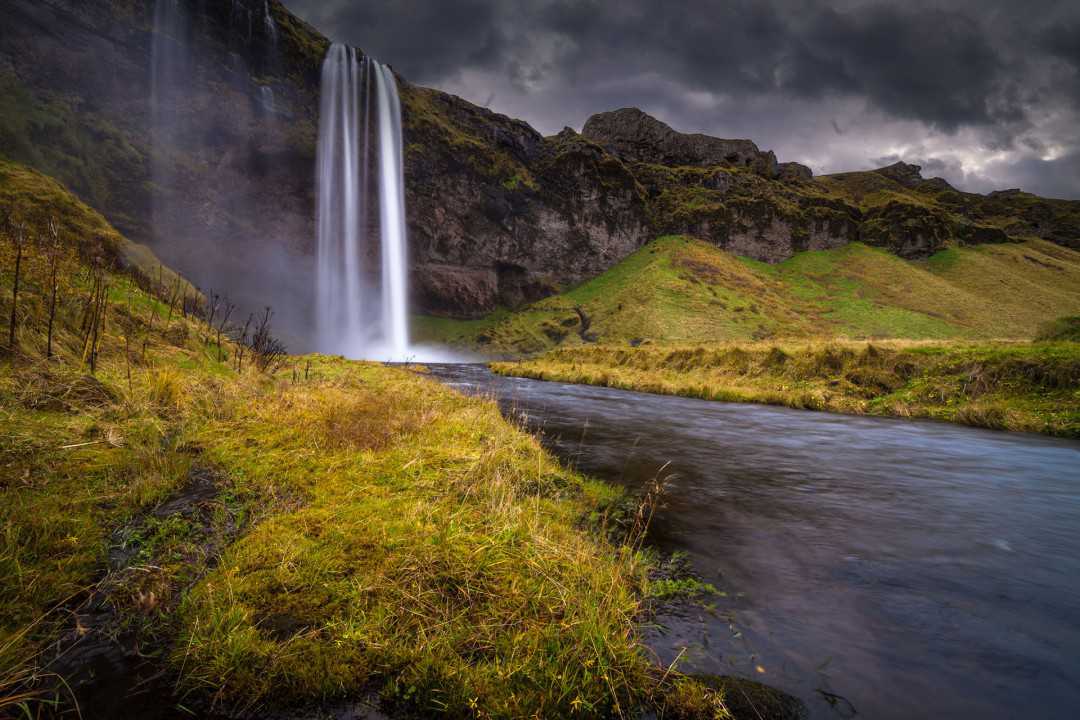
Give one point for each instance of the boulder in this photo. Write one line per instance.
(795, 172)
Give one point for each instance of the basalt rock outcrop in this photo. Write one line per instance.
(633, 135)
(498, 214)
(904, 173)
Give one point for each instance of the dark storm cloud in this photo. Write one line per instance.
(1052, 178)
(934, 65)
(989, 81)
(424, 40)
(1064, 41)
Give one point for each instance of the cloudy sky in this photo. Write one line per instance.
(985, 93)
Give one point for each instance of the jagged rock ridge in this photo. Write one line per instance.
(633, 135)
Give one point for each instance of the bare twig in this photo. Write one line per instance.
(241, 342)
(18, 237)
(268, 352)
(172, 299)
(221, 326)
(54, 262)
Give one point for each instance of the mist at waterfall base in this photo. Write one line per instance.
(239, 227)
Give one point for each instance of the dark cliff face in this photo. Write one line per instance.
(738, 197)
(235, 211)
(498, 214)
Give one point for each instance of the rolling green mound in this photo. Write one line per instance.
(28, 196)
(678, 289)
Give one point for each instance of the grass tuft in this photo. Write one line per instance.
(1065, 329)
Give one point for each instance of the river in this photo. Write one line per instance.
(885, 567)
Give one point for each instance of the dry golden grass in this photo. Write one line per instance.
(445, 567)
(1004, 385)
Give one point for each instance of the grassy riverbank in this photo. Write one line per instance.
(288, 534)
(1011, 386)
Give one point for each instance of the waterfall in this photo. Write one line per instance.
(339, 300)
(360, 312)
(392, 213)
(266, 97)
(270, 25)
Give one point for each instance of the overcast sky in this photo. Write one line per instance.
(985, 93)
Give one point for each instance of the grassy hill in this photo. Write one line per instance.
(36, 199)
(238, 530)
(680, 290)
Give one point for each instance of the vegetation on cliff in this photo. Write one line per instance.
(433, 118)
(250, 529)
(49, 131)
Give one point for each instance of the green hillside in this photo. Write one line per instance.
(678, 289)
(268, 531)
(36, 198)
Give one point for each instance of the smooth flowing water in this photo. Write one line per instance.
(392, 214)
(269, 24)
(360, 313)
(889, 568)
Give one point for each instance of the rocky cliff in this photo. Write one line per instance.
(77, 80)
(498, 214)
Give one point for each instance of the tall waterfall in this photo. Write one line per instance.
(361, 305)
(392, 212)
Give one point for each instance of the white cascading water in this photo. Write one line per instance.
(269, 24)
(358, 315)
(392, 213)
(266, 97)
